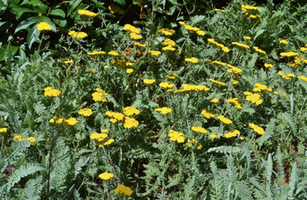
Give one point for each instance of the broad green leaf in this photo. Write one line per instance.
(33, 35)
(121, 2)
(5, 25)
(7, 51)
(72, 6)
(57, 12)
(135, 2)
(99, 5)
(38, 6)
(26, 23)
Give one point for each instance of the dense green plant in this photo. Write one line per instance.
(234, 126)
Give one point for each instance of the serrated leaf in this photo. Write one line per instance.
(196, 19)
(269, 131)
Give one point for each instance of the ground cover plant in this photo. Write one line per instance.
(172, 103)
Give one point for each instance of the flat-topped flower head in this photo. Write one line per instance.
(224, 119)
(131, 29)
(149, 81)
(283, 42)
(192, 60)
(70, 122)
(208, 114)
(199, 129)
(247, 38)
(129, 111)
(166, 85)
(106, 176)
(43, 26)
(99, 95)
(130, 122)
(231, 134)
(87, 15)
(3, 130)
(31, 139)
(75, 34)
(257, 128)
(176, 136)
(51, 92)
(164, 110)
(85, 112)
(154, 53)
(121, 189)
(166, 31)
(135, 36)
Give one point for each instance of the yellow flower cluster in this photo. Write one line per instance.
(302, 77)
(217, 82)
(129, 111)
(139, 44)
(248, 7)
(255, 17)
(135, 36)
(43, 26)
(121, 62)
(173, 76)
(259, 87)
(51, 92)
(212, 41)
(289, 54)
(303, 49)
(85, 112)
(199, 129)
(166, 31)
(283, 42)
(219, 63)
(131, 29)
(234, 82)
(257, 129)
(215, 100)
(254, 98)
(193, 141)
(208, 114)
(66, 122)
(3, 130)
(169, 45)
(18, 137)
(154, 53)
(259, 50)
(189, 88)
(176, 136)
(30, 139)
(192, 60)
(75, 34)
(287, 77)
(96, 53)
(231, 134)
(99, 95)
(235, 102)
(166, 85)
(240, 45)
(130, 122)
(116, 116)
(247, 38)
(267, 65)
(149, 81)
(113, 53)
(121, 189)
(87, 15)
(127, 121)
(216, 9)
(164, 110)
(100, 138)
(224, 119)
(234, 70)
(106, 176)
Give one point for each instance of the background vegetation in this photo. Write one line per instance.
(257, 151)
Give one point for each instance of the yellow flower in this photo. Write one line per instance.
(166, 31)
(235, 102)
(191, 28)
(259, 50)
(98, 136)
(166, 85)
(135, 36)
(129, 71)
(241, 138)
(18, 137)
(108, 142)
(113, 53)
(106, 176)
(164, 110)
(106, 67)
(149, 81)
(199, 129)
(254, 98)
(234, 82)
(43, 26)
(75, 34)
(90, 71)
(31, 139)
(154, 53)
(181, 23)
(232, 134)
(215, 100)
(247, 37)
(121, 189)
(302, 77)
(99, 95)
(289, 54)
(3, 130)
(213, 135)
(87, 14)
(240, 45)
(283, 42)
(176, 136)
(303, 49)
(201, 33)
(199, 146)
(267, 65)
(51, 92)
(139, 44)
(169, 48)
(129, 111)
(169, 42)
(217, 82)
(216, 9)
(188, 142)
(70, 122)
(257, 129)
(96, 53)
(56, 120)
(86, 112)
(208, 114)
(248, 7)
(131, 29)
(192, 60)
(130, 122)
(224, 119)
